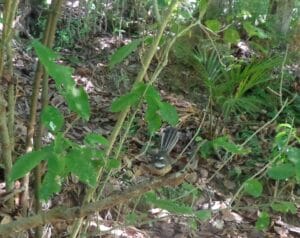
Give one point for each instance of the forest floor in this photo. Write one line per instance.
(216, 179)
(90, 61)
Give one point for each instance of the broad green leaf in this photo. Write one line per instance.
(281, 171)
(131, 218)
(61, 74)
(76, 98)
(123, 52)
(253, 187)
(203, 5)
(124, 101)
(207, 149)
(203, 215)
(79, 163)
(281, 139)
(284, 207)
(152, 96)
(150, 196)
(263, 221)
(52, 118)
(214, 25)
(78, 102)
(28, 161)
(293, 155)
(231, 36)
(44, 53)
(60, 144)
(51, 184)
(56, 164)
(223, 142)
(93, 138)
(152, 118)
(113, 164)
(168, 113)
(254, 31)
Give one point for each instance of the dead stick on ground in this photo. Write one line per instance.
(63, 213)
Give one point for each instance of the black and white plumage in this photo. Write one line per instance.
(161, 163)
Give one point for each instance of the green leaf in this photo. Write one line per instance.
(203, 215)
(29, 161)
(113, 164)
(284, 207)
(79, 163)
(153, 97)
(253, 187)
(51, 184)
(223, 142)
(123, 52)
(78, 102)
(131, 218)
(124, 101)
(150, 196)
(214, 25)
(93, 138)
(62, 76)
(293, 155)
(203, 5)
(263, 221)
(60, 144)
(231, 36)
(52, 118)
(254, 31)
(281, 171)
(56, 164)
(168, 113)
(152, 118)
(44, 53)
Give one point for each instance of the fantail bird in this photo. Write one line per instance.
(160, 163)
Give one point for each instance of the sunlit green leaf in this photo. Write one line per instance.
(152, 118)
(168, 113)
(113, 164)
(131, 218)
(253, 187)
(284, 207)
(231, 36)
(52, 118)
(79, 163)
(124, 101)
(44, 53)
(56, 164)
(281, 171)
(214, 25)
(203, 215)
(153, 97)
(28, 161)
(293, 155)
(254, 31)
(123, 52)
(223, 142)
(263, 221)
(93, 138)
(51, 184)
(78, 102)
